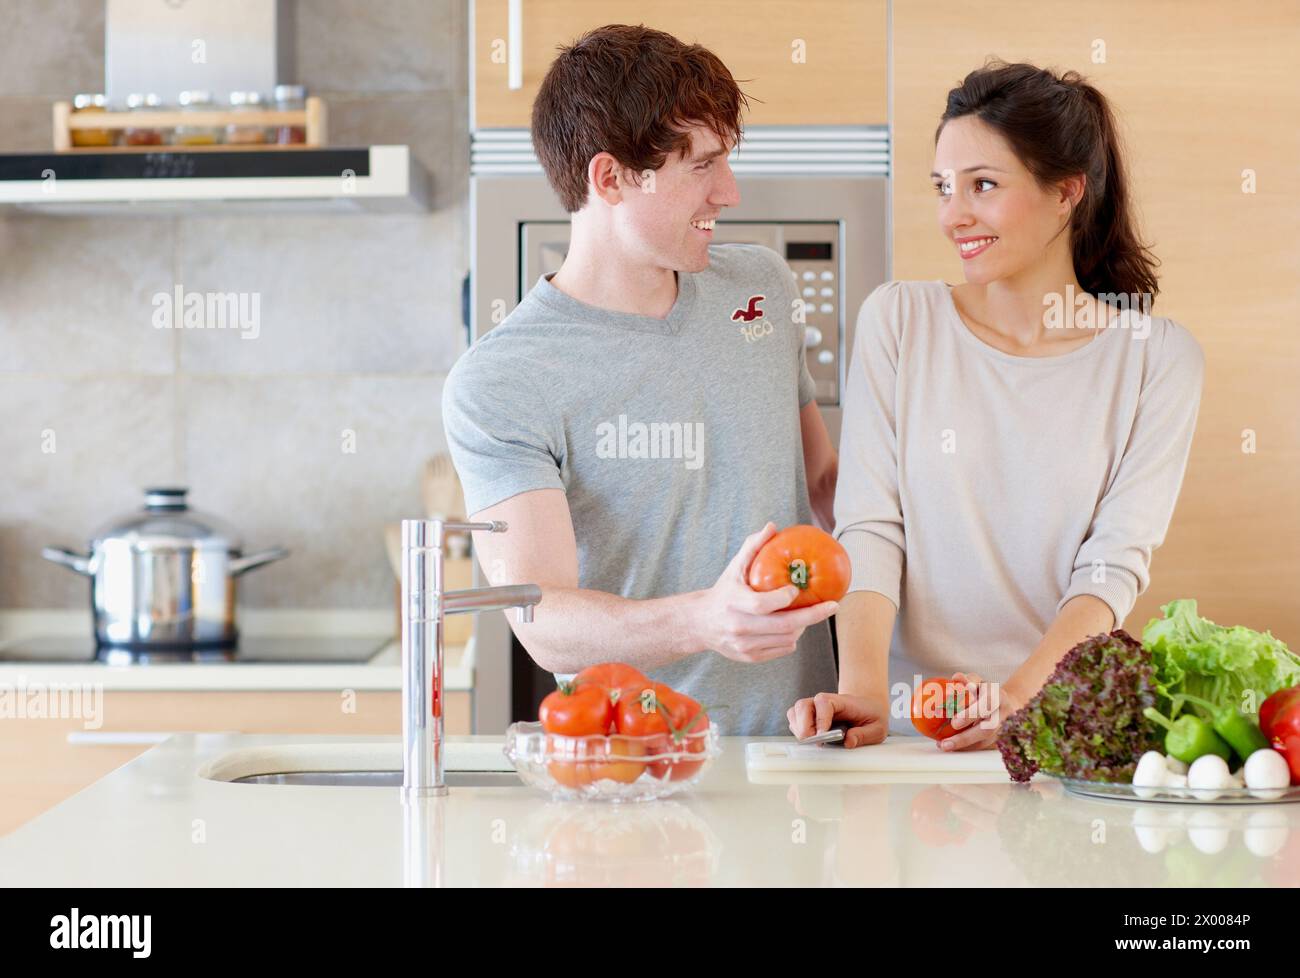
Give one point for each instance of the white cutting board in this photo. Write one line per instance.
(896, 755)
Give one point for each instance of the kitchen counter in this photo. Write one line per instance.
(155, 822)
(380, 672)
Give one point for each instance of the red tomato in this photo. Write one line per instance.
(935, 702)
(640, 715)
(687, 722)
(570, 773)
(594, 759)
(577, 711)
(810, 559)
(1279, 719)
(625, 771)
(621, 680)
(1282, 706)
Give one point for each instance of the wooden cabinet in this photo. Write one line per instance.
(39, 768)
(841, 79)
(1205, 93)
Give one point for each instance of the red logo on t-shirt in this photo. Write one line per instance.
(750, 312)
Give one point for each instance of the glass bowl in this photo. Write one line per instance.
(617, 768)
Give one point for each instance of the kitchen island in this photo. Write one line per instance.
(157, 822)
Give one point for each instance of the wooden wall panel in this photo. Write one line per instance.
(843, 80)
(1204, 90)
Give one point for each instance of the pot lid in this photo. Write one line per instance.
(166, 519)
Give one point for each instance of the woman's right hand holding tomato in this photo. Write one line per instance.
(815, 714)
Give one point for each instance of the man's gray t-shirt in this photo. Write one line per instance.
(673, 439)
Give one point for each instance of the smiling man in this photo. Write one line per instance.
(644, 419)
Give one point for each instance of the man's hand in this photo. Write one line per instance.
(747, 625)
(870, 717)
(977, 726)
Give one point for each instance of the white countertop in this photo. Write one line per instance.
(156, 822)
(382, 672)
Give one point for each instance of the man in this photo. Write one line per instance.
(644, 420)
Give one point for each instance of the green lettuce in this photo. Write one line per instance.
(1234, 666)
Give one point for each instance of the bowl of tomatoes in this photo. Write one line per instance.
(610, 734)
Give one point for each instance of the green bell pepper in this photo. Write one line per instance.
(1189, 737)
(1240, 731)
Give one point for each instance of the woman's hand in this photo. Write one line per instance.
(869, 717)
(989, 704)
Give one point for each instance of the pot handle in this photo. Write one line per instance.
(61, 555)
(241, 564)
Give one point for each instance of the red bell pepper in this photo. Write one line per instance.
(1279, 720)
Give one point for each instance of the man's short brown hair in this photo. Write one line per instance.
(631, 92)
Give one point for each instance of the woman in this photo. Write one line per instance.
(1012, 446)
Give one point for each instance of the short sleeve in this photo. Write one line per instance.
(501, 439)
(1133, 516)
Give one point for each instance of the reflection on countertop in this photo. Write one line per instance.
(171, 827)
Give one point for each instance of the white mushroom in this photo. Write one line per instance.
(1267, 774)
(1175, 766)
(1150, 774)
(1208, 777)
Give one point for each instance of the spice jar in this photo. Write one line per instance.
(87, 104)
(197, 132)
(239, 133)
(143, 135)
(290, 98)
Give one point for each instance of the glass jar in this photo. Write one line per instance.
(197, 103)
(290, 98)
(86, 104)
(143, 135)
(238, 133)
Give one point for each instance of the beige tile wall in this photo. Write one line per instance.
(359, 323)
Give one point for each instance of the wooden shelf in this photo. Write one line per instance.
(312, 119)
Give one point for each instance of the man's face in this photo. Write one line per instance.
(667, 218)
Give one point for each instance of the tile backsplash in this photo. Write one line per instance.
(312, 434)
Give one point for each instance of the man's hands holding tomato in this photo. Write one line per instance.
(815, 714)
(751, 626)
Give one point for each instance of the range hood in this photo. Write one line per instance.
(163, 47)
(175, 180)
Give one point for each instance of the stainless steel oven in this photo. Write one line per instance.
(818, 197)
(831, 231)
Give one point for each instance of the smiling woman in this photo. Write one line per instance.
(1013, 446)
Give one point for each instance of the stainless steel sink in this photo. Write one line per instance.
(382, 779)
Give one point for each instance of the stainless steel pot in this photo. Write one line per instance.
(163, 578)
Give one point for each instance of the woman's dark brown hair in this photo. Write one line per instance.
(631, 92)
(1061, 126)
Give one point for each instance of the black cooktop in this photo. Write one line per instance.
(278, 649)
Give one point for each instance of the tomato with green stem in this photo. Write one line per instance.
(807, 557)
(620, 679)
(687, 724)
(935, 702)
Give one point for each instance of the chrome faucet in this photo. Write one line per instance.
(424, 603)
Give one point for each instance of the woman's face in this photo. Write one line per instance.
(999, 220)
